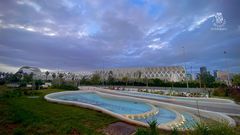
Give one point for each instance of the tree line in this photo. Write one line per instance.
(205, 80)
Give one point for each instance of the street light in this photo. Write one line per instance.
(228, 78)
(184, 58)
(103, 74)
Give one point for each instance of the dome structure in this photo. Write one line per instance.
(29, 70)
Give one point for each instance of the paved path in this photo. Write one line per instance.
(120, 128)
(227, 108)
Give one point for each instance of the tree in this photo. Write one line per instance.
(85, 80)
(145, 81)
(139, 74)
(60, 75)
(54, 75)
(47, 73)
(27, 78)
(236, 80)
(110, 78)
(13, 78)
(95, 79)
(206, 79)
(157, 82)
(209, 80)
(125, 80)
(38, 83)
(73, 77)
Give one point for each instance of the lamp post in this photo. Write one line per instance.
(184, 58)
(228, 78)
(103, 75)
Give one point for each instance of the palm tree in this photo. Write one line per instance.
(54, 75)
(47, 73)
(60, 75)
(146, 80)
(137, 76)
(73, 77)
(110, 78)
(125, 79)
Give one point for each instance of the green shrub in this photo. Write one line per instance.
(19, 131)
(152, 130)
(201, 129)
(2, 81)
(217, 128)
(12, 93)
(65, 87)
(235, 94)
(175, 131)
(221, 92)
(153, 127)
(31, 92)
(221, 129)
(18, 93)
(141, 131)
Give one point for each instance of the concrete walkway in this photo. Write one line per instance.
(231, 109)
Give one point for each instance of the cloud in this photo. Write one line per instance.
(8, 68)
(156, 39)
(29, 3)
(156, 46)
(42, 30)
(68, 3)
(87, 35)
(199, 21)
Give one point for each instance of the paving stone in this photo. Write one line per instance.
(119, 128)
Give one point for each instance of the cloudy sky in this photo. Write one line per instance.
(75, 35)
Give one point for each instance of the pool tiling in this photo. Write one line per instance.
(139, 111)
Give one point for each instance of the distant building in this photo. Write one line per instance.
(29, 70)
(68, 76)
(223, 76)
(203, 70)
(38, 75)
(215, 74)
(169, 73)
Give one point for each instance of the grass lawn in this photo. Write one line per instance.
(24, 115)
(20, 114)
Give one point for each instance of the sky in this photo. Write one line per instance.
(85, 35)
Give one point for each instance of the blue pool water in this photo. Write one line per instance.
(190, 121)
(114, 105)
(163, 116)
(120, 106)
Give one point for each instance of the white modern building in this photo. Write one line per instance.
(38, 75)
(66, 75)
(29, 70)
(169, 73)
